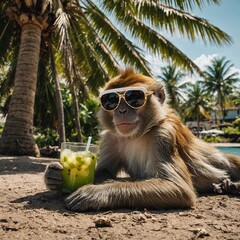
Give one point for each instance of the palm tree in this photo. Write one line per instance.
(60, 111)
(172, 77)
(198, 103)
(91, 46)
(220, 80)
(235, 97)
(18, 130)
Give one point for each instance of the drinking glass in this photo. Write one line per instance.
(78, 161)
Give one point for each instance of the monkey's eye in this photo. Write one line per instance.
(135, 98)
(110, 101)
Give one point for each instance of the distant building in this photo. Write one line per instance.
(230, 115)
(216, 117)
(193, 126)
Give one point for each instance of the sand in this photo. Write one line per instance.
(29, 211)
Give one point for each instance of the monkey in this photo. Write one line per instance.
(167, 166)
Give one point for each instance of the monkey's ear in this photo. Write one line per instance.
(160, 94)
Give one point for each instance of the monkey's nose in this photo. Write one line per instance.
(123, 108)
(122, 111)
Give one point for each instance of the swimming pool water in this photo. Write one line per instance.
(232, 150)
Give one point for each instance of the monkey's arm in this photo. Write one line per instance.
(107, 169)
(53, 177)
(103, 175)
(153, 193)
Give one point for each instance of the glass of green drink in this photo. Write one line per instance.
(78, 161)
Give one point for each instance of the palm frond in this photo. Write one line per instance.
(152, 40)
(162, 46)
(187, 4)
(83, 34)
(10, 60)
(118, 43)
(63, 25)
(203, 112)
(168, 19)
(6, 39)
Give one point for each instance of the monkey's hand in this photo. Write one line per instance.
(88, 197)
(53, 177)
(227, 187)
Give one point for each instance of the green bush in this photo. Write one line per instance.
(88, 118)
(215, 139)
(236, 123)
(46, 137)
(231, 130)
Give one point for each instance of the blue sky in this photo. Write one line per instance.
(226, 16)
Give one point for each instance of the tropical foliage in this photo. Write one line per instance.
(87, 116)
(47, 135)
(198, 104)
(174, 84)
(78, 39)
(201, 99)
(220, 81)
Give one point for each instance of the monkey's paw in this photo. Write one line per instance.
(227, 187)
(89, 197)
(53, 177)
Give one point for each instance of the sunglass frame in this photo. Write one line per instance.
(121, 93)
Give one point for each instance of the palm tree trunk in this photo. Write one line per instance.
(223, 114)
(17, 137)
(76, 111)
(60, 111)
(215, 114)
(198, 125)
(75, 106)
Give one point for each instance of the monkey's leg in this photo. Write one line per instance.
(154, 194)
(227, 187)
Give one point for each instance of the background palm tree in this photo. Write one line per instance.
(220, 80)
(91, 47)
(198, 104)
(235, 97)
(172, 77)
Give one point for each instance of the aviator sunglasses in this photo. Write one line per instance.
(135, 97)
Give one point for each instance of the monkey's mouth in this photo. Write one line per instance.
(126, 127)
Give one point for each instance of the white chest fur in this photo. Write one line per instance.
(137, 157)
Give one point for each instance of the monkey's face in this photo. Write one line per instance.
(126, 120)
(128, 111)
(124, 106)
(131, 104)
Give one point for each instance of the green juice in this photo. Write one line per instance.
(78, 168)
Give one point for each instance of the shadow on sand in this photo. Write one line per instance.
(23, 164)
(47, 200)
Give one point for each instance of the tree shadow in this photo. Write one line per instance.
(54, 201)
(48, 200)
(23, 164)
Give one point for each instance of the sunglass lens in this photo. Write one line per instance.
(110, 101)
(135, 98)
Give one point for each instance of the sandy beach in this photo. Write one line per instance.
(29, 211)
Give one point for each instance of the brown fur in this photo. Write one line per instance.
(167, 165)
